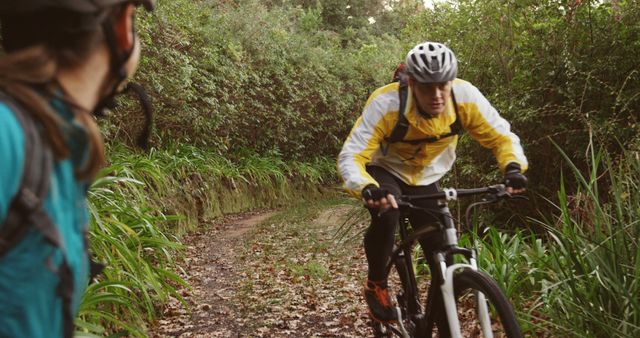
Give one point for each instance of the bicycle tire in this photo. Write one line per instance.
(503, 319)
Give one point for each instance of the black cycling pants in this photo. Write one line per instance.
(379, 238)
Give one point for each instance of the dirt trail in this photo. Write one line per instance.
(286, 277)
(211, 268)
(254, 275)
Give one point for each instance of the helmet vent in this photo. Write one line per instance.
(432, 62)
(424, 59)
(414, 59)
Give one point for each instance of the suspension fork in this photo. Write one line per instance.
(434, 305)
(447, 271)
(441, 300)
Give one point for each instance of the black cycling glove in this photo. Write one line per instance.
(371, 192)
(513, 176)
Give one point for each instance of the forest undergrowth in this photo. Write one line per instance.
(142, 204)
(254, 98)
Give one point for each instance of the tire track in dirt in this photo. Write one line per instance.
(286, 277)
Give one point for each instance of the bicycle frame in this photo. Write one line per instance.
(442, 256)
(448, 293)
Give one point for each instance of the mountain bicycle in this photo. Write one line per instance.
(458, 292)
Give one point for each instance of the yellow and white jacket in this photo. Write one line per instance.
(424, 163)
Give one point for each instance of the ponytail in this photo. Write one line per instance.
(29, 76)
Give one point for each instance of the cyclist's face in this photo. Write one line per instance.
(431, 97)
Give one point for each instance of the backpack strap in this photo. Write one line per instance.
(402, 124)
(456, 126)
(26, 210)
(27, 205)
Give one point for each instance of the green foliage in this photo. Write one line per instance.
(142, 202)
(583, 277)
(236, 76)
(373, 16)
(555, 69)
(515, 260)
(126, 234)
(596, 256)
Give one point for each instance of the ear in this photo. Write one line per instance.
(124, 28)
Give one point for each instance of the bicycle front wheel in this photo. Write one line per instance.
(483, 309)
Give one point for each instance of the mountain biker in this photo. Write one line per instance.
(379, 169)
(64, 59)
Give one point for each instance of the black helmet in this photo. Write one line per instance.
(56, 20)
(81, 6)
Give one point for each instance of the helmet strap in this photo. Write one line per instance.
(117, 68)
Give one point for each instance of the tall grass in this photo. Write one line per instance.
(142, 203)
(582, 278)
(596, 256)
(127, 235)
(518, 261)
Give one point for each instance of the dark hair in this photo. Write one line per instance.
(28, 73)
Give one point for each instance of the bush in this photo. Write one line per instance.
(245, 75)
(556, 71)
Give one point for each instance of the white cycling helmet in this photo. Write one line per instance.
(430, 62)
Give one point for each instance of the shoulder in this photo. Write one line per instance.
(11, 133)
(383, 101)
(385, 97)
(12, 153)
(465, 91)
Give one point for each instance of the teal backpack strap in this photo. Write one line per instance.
(27, 205)
(26, 210)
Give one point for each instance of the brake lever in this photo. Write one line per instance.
(519, 197)
(491, 198)
(409, 205)
(503, 194)
(402, 203)
(510, 196)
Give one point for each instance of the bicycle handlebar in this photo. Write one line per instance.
(494, 194)
(498, 190)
